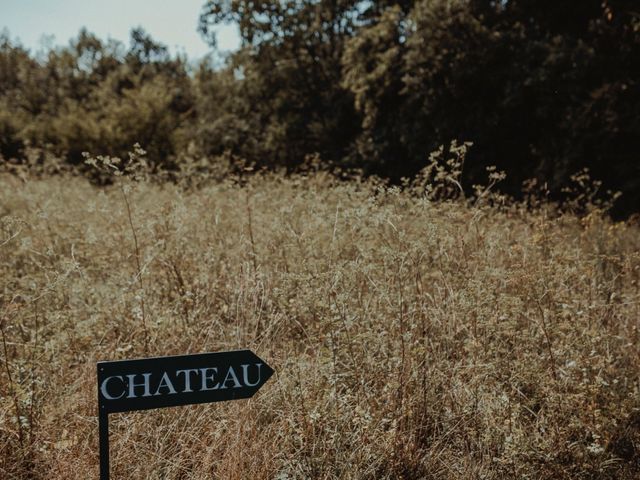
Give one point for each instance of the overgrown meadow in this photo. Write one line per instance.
(416, 332)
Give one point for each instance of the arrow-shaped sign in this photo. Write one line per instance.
(146, 383)
(179, 380)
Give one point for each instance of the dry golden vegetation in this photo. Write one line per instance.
(411, 338)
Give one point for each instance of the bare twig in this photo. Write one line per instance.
(138, 269)
(254, 255)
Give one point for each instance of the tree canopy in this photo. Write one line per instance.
(541, 88)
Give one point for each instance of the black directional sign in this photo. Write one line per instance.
(181, 380)
(146, 383)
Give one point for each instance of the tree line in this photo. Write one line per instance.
(543, 89)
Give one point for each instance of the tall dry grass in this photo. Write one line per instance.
(411, 338)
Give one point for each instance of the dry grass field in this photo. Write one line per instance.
(411, 338)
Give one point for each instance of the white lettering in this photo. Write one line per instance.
(165, 382)
(144, 384)
(245, 375)
(187, 378)
(105, 392)
(205, 377)
(231, 373)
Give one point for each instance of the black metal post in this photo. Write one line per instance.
(103, 421)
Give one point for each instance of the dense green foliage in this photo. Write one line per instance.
(542, 88)
(93, 96)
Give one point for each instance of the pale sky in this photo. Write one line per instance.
(171, 22)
